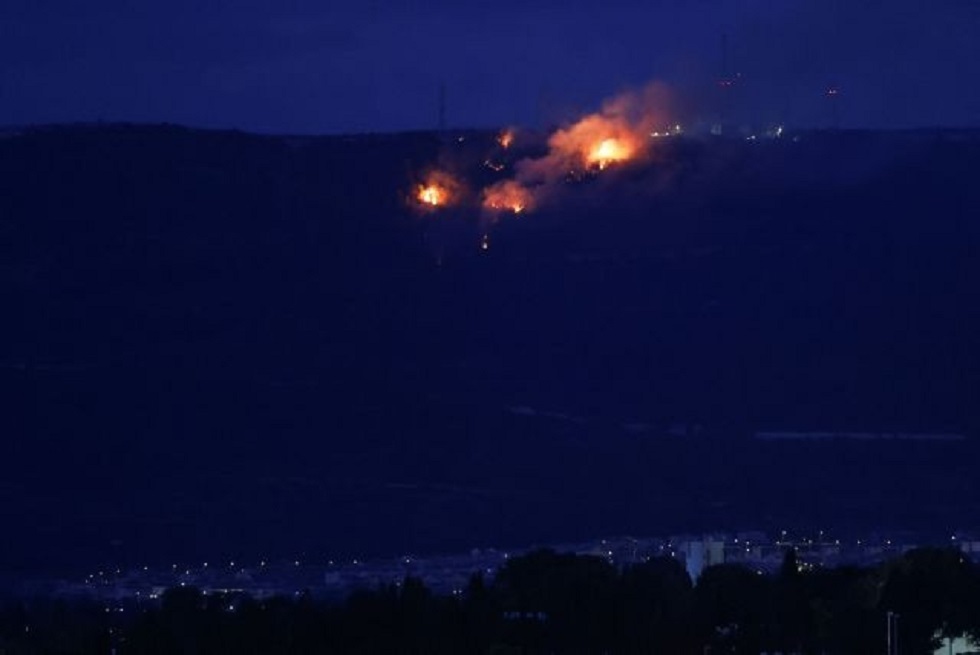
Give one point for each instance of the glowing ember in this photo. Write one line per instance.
(508, 196)
(506, 138)
(609, 151)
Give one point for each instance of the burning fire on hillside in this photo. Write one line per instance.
(433, 195)
(508, 196)
(608, 152)
(596, 142)
(438, 190)
(620, 133)
(616, 135)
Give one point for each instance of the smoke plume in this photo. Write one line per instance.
(618, 134)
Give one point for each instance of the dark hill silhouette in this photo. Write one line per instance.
(226, 343)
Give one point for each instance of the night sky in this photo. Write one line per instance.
(325, 67)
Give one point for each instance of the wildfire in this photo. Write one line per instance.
(596, 142)
(621, 131)
(508, 196)
(438, 190)
(609, 151)
(432, 195)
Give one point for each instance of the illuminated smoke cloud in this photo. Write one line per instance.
(617, 134)
(508, 196)
(620, 133)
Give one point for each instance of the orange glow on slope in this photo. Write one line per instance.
(506, 138)
(508, 196)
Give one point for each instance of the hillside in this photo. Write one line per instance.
(242, 344)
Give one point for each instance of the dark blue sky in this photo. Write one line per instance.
(304, 66)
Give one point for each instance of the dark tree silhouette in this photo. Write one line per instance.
(541, 603)
(732, 609)
(934, 591)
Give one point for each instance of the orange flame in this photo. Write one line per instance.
(609, 151)
(432, 195)
(439, 190)
(508, 196)
(597, 141)
(620, 132)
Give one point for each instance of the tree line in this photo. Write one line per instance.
(542, 603)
